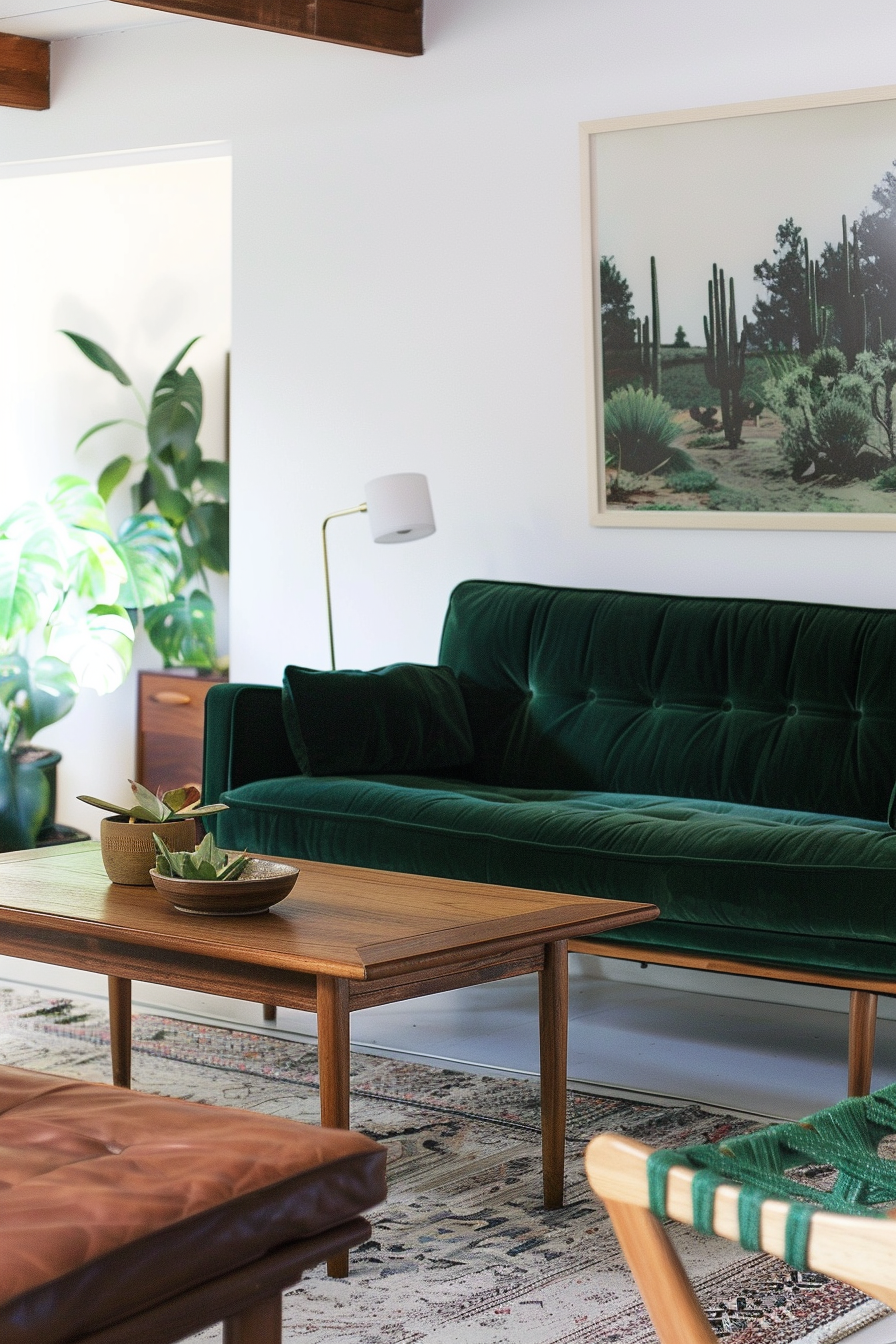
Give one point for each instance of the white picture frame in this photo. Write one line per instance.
(629, 146)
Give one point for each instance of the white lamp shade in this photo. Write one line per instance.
(399, 508)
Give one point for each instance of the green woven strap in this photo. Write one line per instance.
(845, 1137)
(749, 1211)
(704, 1185)
(703, 1197)
(703, 1188)
(796, 1234)
(659, 1164)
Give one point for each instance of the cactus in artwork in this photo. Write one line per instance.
(818, 315)
(647, 338)
(855, 313)
(726, 355)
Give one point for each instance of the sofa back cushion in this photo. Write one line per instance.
(404, 719)
(776, 704)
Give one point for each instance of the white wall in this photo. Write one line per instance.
(138, 258)
(408, 295)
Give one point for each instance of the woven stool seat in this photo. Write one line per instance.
(817, 1193)
(844, 1138)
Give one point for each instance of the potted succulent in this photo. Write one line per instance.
(213, 881)
(127, 838)
(66, 582)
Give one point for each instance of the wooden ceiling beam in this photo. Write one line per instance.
(392, 26)
(24, 72)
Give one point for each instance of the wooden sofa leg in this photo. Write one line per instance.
(259, 1325)
(668, 1295)
(862, 1025)
(269, 1012)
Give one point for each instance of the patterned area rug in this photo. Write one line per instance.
(462, 1250)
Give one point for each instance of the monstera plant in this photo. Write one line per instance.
(66, 587)
(189, 491)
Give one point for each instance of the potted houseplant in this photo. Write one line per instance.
(66, 583)
(128, 837)
(189, 491)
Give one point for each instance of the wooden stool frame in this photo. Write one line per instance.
(856, 1250)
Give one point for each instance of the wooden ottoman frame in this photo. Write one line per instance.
(248, 1300)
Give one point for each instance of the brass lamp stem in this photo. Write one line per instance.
(342, 513)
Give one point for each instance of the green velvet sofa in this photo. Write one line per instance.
(731, 761)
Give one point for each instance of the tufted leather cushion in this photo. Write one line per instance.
(111, 1201)
(769, 704)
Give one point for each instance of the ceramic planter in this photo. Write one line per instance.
(129, 851)
(260, 885)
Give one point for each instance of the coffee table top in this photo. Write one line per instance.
(353, 923)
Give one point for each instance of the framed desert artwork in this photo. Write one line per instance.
(741, 315)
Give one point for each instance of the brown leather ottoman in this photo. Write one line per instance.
(130, 1219)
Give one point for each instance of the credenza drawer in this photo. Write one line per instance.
(170, 722)
(172, 706)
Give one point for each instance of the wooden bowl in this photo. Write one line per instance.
(128, 849)
(260, 885)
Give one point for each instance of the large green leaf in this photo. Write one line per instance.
(13, 676)
(43, 692)
(215, 478)
(96, 644)
(183, 631)
(52, 692)
(98, 356)
(175, 413)
(76, 503)
(180, 354)
(147, 545)
(30, 585)
(186, 465)
(112, 476)
(95, 570)
(40, 531)
(24, 802)
(190, 562)
(141, 492)
(209, 528)
(104, 424)
(52, 546)
(173, 504)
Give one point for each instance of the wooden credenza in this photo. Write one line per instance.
(170, 720)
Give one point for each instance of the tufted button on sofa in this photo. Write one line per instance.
(731, 761)
(127, 1218)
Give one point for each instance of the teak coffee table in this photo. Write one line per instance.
(345, 938)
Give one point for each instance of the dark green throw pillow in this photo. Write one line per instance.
(400, 720)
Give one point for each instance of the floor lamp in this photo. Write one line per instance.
(398, 509)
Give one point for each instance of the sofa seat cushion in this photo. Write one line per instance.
(111, 1201)
(730, 879)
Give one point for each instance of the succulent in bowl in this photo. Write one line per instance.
(208, 863)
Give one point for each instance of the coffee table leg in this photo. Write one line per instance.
(120, 1029)
(333, 1067)
(553, 1016)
